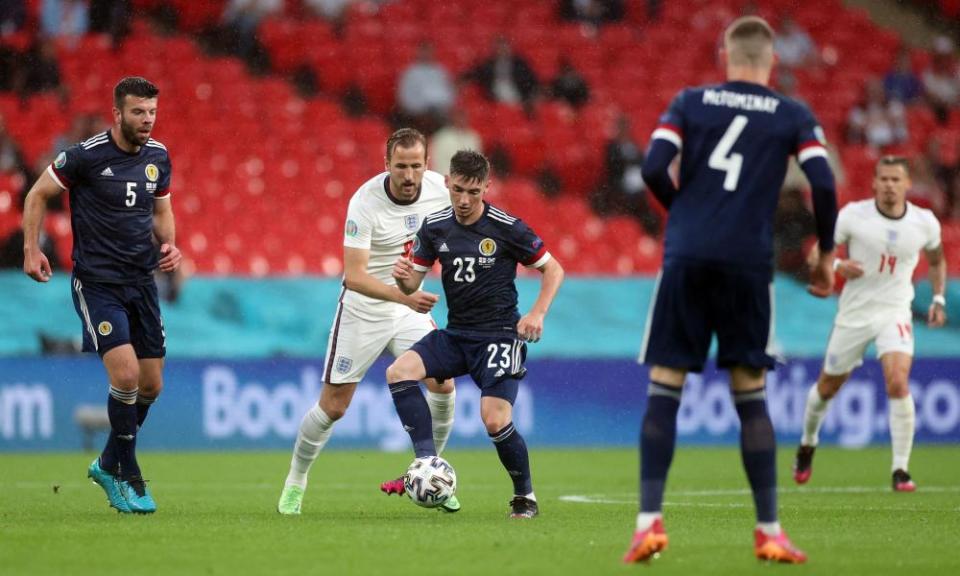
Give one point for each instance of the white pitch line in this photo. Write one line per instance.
(631, 499)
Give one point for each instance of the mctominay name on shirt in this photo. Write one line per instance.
(741, 101)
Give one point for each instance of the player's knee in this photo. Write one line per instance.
(399, 371)
(828, 386)
(495, 423)
(898, 387)
(125, 377)
(334, 406)
(440, 386)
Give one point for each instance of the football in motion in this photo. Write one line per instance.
(430, 481)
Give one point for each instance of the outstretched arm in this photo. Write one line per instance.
(35, 263)
(530, 326)
(937, 314)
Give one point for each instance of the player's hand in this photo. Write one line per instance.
(821, 276)
(36, 265)
(403, 269)
(421, 301)
(936, 316)
(530, 327)
(850, 269)
(170, 257)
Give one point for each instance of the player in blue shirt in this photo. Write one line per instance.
(736, 139)
(479, 247)
(123, 230)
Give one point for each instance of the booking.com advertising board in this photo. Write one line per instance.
(212, 405)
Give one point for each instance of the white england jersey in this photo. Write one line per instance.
(378, 223)
(888, 249)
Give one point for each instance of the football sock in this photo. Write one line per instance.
(512, 451)
(902, 420)
(315, 430)
(769, 528)
(441, 411)
(813, 415)
(658, 436)
(414, 415)
(646, 519)
(143, 407)
(758, 448)
(122, 454)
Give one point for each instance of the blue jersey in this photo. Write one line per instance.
(111, 203)
(736, 140)
(479, 266)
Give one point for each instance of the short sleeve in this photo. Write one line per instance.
(933, 232)
(423, 252)
(358, 228)
(527, 245)
(810, 142)
(670, 125)
(67, 168)
(841, 234)
(163, 184)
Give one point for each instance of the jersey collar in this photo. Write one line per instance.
(906, 206)
(118, 148)
(394, 199)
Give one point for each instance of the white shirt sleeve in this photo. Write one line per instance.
(841, 233)
(933, 232)
(358, 228)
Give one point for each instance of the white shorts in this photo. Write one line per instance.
(894, 333)
(355, 342)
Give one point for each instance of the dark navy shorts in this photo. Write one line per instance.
(117, 314)
(694, 301)
(494, 362)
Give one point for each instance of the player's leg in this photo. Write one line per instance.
(496, 411)
(676, 340)
(403, 377)
(895, 350)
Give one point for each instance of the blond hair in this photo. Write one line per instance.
(749, 42)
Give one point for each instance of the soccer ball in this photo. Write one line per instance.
(430, 481)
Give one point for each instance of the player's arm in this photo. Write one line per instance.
(530, 326)
(812, 156)
(35, 263)
(407, 276)
(665, 143)
(937, 314)
(165, 231)
(356, 278)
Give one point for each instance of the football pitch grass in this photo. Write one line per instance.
(217, 515)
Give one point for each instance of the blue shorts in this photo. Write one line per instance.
(693, 301)
(494, 362)
(117, 314)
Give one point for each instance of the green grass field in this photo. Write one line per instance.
(217, 516)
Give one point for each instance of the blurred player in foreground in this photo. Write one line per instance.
(123, 230)
(479, 247)
(373, 315)
(884, 236)
(717, 275)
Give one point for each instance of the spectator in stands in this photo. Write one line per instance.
(593, 13)
(942, 173)
(900, 83)
(67, 19)
(13, 15)
(506, 76)
(11, 159)
(111, 17)
(622, 190)
(793, 45)
(457, 135)
(793, 224)
(569, 85)
(330, 10)
(876, 121)
(40, 70)
(425, 92)
(940, 81)
(241, 19)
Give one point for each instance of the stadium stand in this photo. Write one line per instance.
(262, 176)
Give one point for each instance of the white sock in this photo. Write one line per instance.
(769, 528)
(902, 421)
(813, 415)
(531, 496)
(315, 429)
(441, 411)
(646, 519)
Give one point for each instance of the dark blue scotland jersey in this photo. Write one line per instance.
(111, 203)
(735, 139)
(479, 266)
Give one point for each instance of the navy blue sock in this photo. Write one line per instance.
(658, 436)
(121, 447)
(758, 448)
(512, 451)
(414, 413)
(143, 408)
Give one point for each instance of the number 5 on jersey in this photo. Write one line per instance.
(721, 159)
(131, 194)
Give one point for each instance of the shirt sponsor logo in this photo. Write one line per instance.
(61, 160)
(152, 172)
(351, 229)
(105, 328)
(488, 247)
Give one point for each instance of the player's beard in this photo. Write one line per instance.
(131, 135)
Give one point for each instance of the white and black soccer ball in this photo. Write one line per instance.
(430, 481)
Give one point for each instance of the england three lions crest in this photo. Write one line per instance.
(411, 222)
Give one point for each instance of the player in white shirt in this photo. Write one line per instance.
(884, 238)
(373, 315)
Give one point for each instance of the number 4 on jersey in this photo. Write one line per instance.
(721, 159)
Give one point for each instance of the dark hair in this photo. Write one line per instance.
(405, 138)
(133, 86)
(471, 165)
(891, 160)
